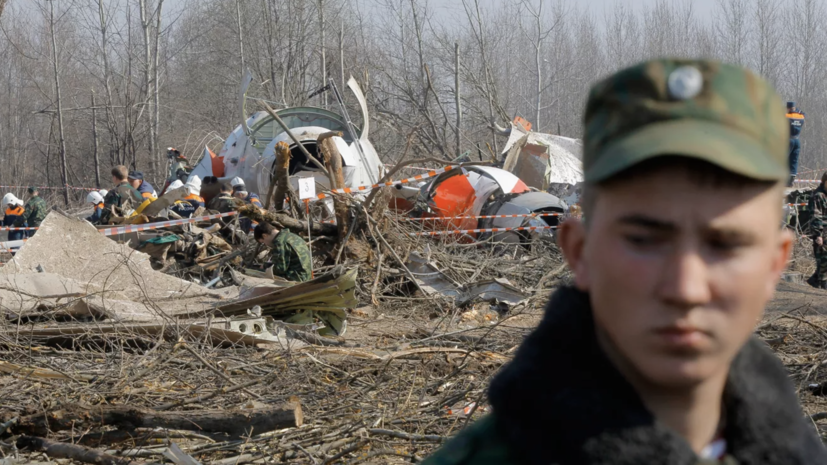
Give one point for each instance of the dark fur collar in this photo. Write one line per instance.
(561, 401)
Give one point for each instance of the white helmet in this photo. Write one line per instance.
(237, 181)
(194, 185)
(175, 185)
(10, 199)
(103, 192)
(94, 198)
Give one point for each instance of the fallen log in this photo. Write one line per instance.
(286, 222)
(233, 422)
(60, 450)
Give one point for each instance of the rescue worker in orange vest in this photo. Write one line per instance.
(194, 192)
(796, 119)
(96, 199)
(136, 179)
(14, 210)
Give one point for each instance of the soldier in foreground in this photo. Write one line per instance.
(290, 255)
(649, 358)
(818, 208)
(34, 212)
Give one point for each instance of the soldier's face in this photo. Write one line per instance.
(134, 183)
(678, 273)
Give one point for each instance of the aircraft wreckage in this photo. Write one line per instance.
(534, 164)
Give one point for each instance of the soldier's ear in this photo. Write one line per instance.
(571, 237)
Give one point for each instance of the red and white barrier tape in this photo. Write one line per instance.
(469, 231)
(418, 177)
(11, 228)
(51, 188)
(807, 181)
(481, 217)
(145, 227)
(410, 168)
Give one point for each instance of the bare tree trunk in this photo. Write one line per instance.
(146, 26)
(342, 54)
(240, 34)
(61, 135)
(2, 6)
(333, 162)
(457, 98)
(155, 154)
(323, 95)
(95, 142)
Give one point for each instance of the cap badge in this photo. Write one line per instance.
(685, 83)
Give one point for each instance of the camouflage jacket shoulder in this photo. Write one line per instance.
(291, 257)
(34, 212)
(818, 208)
(123, 196)
(222, 204)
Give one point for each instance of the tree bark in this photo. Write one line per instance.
(457, 98)
(280, 175)
(287, 222)
(61, 134)
(95, 143)
(333, 162)
(234, 422)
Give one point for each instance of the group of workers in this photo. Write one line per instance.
(290, 256)
(20, 215)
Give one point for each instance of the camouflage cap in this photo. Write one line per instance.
(715, 112)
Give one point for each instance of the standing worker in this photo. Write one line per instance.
(796, 119)
(34, 211)
(123, 198)
(290, 255)
(136, 180)
(650, 356)
(14, 210)
(818, 232)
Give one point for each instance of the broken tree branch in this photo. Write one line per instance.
(233, 422)
(61, 450)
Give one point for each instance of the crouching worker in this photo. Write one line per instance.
(650, 358)
(14, 210)
(224, 201)
(182, 208)
(290, 255)
(96, 200)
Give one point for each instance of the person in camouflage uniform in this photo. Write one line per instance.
(818, 209)
(34, 212)
(290, 255)
(123, 198)
(649, 356)
(224, 201)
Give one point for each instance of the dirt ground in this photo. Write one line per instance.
(410, 372)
